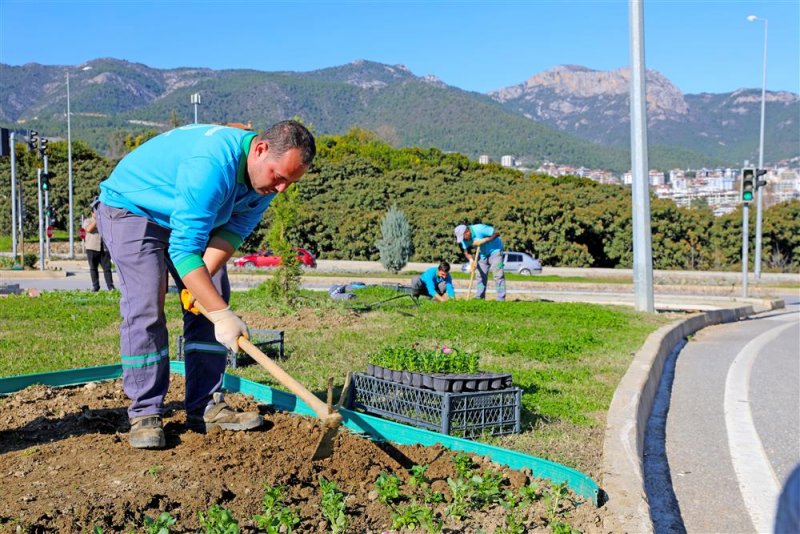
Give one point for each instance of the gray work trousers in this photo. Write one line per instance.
(139, 248)
(495, 263)
(418, 287)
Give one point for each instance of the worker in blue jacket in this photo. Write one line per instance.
(435, 282)
(490, 256)
(185, 201)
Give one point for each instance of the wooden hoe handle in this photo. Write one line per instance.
(319, 407)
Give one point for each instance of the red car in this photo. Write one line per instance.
(264, 258)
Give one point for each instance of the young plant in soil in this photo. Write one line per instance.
(332, 504)
(463, 464)
(485, 489)
(159, 525)
(388, 487)
(418, 479)
(414, 515)
(218, 521)
(277, 517)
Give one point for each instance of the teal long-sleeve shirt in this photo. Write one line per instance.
(480, 231)
(192, 180)
(431, 279)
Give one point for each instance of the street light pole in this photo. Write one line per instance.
(69, 166)
(642, 238)
(759, 193)
(196, 102)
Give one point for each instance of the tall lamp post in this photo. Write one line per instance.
(196, 102)
(69, 166)
(759, 194)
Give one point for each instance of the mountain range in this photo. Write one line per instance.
(568, 114)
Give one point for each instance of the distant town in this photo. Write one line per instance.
(716, 188)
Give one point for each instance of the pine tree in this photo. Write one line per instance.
(284, 286)
(395, 246)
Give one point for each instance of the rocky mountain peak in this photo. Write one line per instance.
(567, 82)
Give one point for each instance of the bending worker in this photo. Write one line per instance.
(186, 200)
(435, 282)
(490, 255)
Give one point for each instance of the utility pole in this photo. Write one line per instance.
(642, 239)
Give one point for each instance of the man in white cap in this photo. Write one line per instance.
(490, 255)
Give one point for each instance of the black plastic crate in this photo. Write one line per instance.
(468, 414)
(445, 383)
(265, 340)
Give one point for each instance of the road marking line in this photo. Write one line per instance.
(757, 481)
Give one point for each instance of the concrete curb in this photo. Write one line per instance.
(623, 445)
(33, 274)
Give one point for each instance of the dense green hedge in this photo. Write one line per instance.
(564, 221)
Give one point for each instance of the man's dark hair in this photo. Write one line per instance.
(286, 135)
(444, 266)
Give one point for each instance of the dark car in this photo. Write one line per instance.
(265, 258)
(516, 263)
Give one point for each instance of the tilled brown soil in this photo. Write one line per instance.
(67, 467)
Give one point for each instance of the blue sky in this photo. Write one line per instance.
(700, 45)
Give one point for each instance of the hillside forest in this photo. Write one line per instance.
(356, 177)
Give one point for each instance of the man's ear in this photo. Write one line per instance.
(261, 147)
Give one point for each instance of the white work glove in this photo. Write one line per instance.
(228, 327)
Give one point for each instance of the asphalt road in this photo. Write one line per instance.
(732, 426)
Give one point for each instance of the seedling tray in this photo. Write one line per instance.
(466, 414)
(443, 383)
(264, 339)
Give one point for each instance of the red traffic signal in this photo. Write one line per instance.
(83, 233)
(49, 231)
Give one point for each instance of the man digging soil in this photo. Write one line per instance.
(185, 201)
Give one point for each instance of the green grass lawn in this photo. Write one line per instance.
(405, 277)
(567, 357)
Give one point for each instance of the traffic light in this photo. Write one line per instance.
(33, 137)
(748, 184)
(43, 146)
(759, 174)
(46, 180)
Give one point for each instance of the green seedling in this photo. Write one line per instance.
(30, 451)
(418, 478)
(97, 530)
(277, 517)
(464, 464)
(388, 487)
(561, 527)
(485, 488)
(553, 498)
(218, 521)
(529, 493)
(332, 504)
(155, 470)
(459, 493)
(413, 516)
(513, 524)
(159, 525)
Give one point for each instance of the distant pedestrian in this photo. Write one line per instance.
(97, 254)
(490, 256)
(435, 282)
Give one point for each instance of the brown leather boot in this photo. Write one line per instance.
(146, 432)
(220, 415)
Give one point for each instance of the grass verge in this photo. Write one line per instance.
(567, 357)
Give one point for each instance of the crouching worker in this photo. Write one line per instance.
(435, 283)
(185, 201)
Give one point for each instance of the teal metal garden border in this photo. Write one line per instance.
(374, 427)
